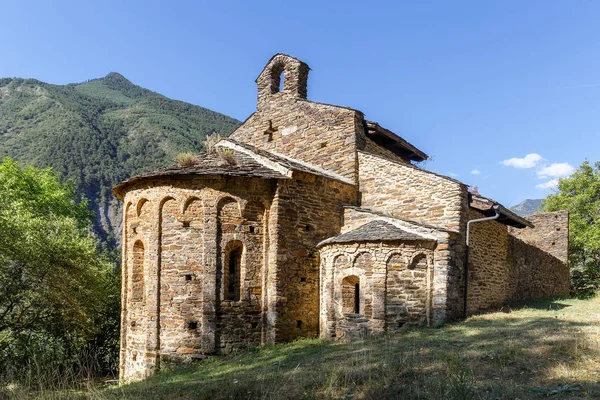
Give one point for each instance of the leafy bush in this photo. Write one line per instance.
(580, 195)
(59, 295)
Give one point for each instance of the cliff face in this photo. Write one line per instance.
(98, 133)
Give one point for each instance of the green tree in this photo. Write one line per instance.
(54, 283)
(580, 195)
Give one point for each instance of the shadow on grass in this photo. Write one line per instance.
(540, 304)
(497, 356)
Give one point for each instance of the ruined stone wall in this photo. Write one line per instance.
(507, 264)
(538, 274)
(395, 287)
(309, 210)
(550, 233)
(409, 192)
(490, 274)
(177, 232)
(540, 256)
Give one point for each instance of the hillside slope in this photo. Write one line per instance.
(98, 133)
(527, 207)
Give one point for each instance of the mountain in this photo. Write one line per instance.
(527, 207)
(98, 133)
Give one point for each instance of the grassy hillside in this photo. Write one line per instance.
(538, 350)
(545, 348)
(99, 133)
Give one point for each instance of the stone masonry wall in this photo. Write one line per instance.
(171, 232)
(550, 233)
(395, 287)
(318, 134)
(503, 267)
(449, 259)
(309, 210)
(409, 192)
(490, 274)
(539, 274)
(288, 124)
(540, 256)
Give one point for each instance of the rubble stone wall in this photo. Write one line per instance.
(409, 192)
(182, 227)
(309, 210)
(490, 274)
(508, 264)
(550, 233)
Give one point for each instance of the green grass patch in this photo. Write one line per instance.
(540, 349)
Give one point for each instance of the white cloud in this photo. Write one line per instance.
(475, 172)
(556, 170)
(529, 161)
(452, 175)
(552, 184)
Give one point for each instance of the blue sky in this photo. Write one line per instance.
(477, 85)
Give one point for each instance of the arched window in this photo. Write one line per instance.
(419, 262)
(351, 295)
(137, 272)
(233, 261)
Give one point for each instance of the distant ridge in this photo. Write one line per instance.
(527, 207)
(98, 133)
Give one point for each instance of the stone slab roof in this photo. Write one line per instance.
(395, 142)
(249, 161)
(208, 164)
(374, 231)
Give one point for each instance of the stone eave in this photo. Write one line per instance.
(485, 205)
(395, 142)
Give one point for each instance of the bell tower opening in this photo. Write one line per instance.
(282, 74)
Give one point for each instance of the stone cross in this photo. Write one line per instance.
(270, 130)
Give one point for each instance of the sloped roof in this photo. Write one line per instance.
(208, 164)
(374, 231)
(393, 142)
(488, 207)
(250, 162)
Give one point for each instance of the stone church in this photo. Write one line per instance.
(310, 220)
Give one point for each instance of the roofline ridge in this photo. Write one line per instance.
(256, 157)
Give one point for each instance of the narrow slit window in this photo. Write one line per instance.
(356, 298)
(233, 274)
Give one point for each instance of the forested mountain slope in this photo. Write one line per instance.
(98, 133)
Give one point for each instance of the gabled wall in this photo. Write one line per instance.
(405, 191)
(288, 124)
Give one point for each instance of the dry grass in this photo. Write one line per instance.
(186, 160)
(539, 350)
(226, 155)
(211, 141)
